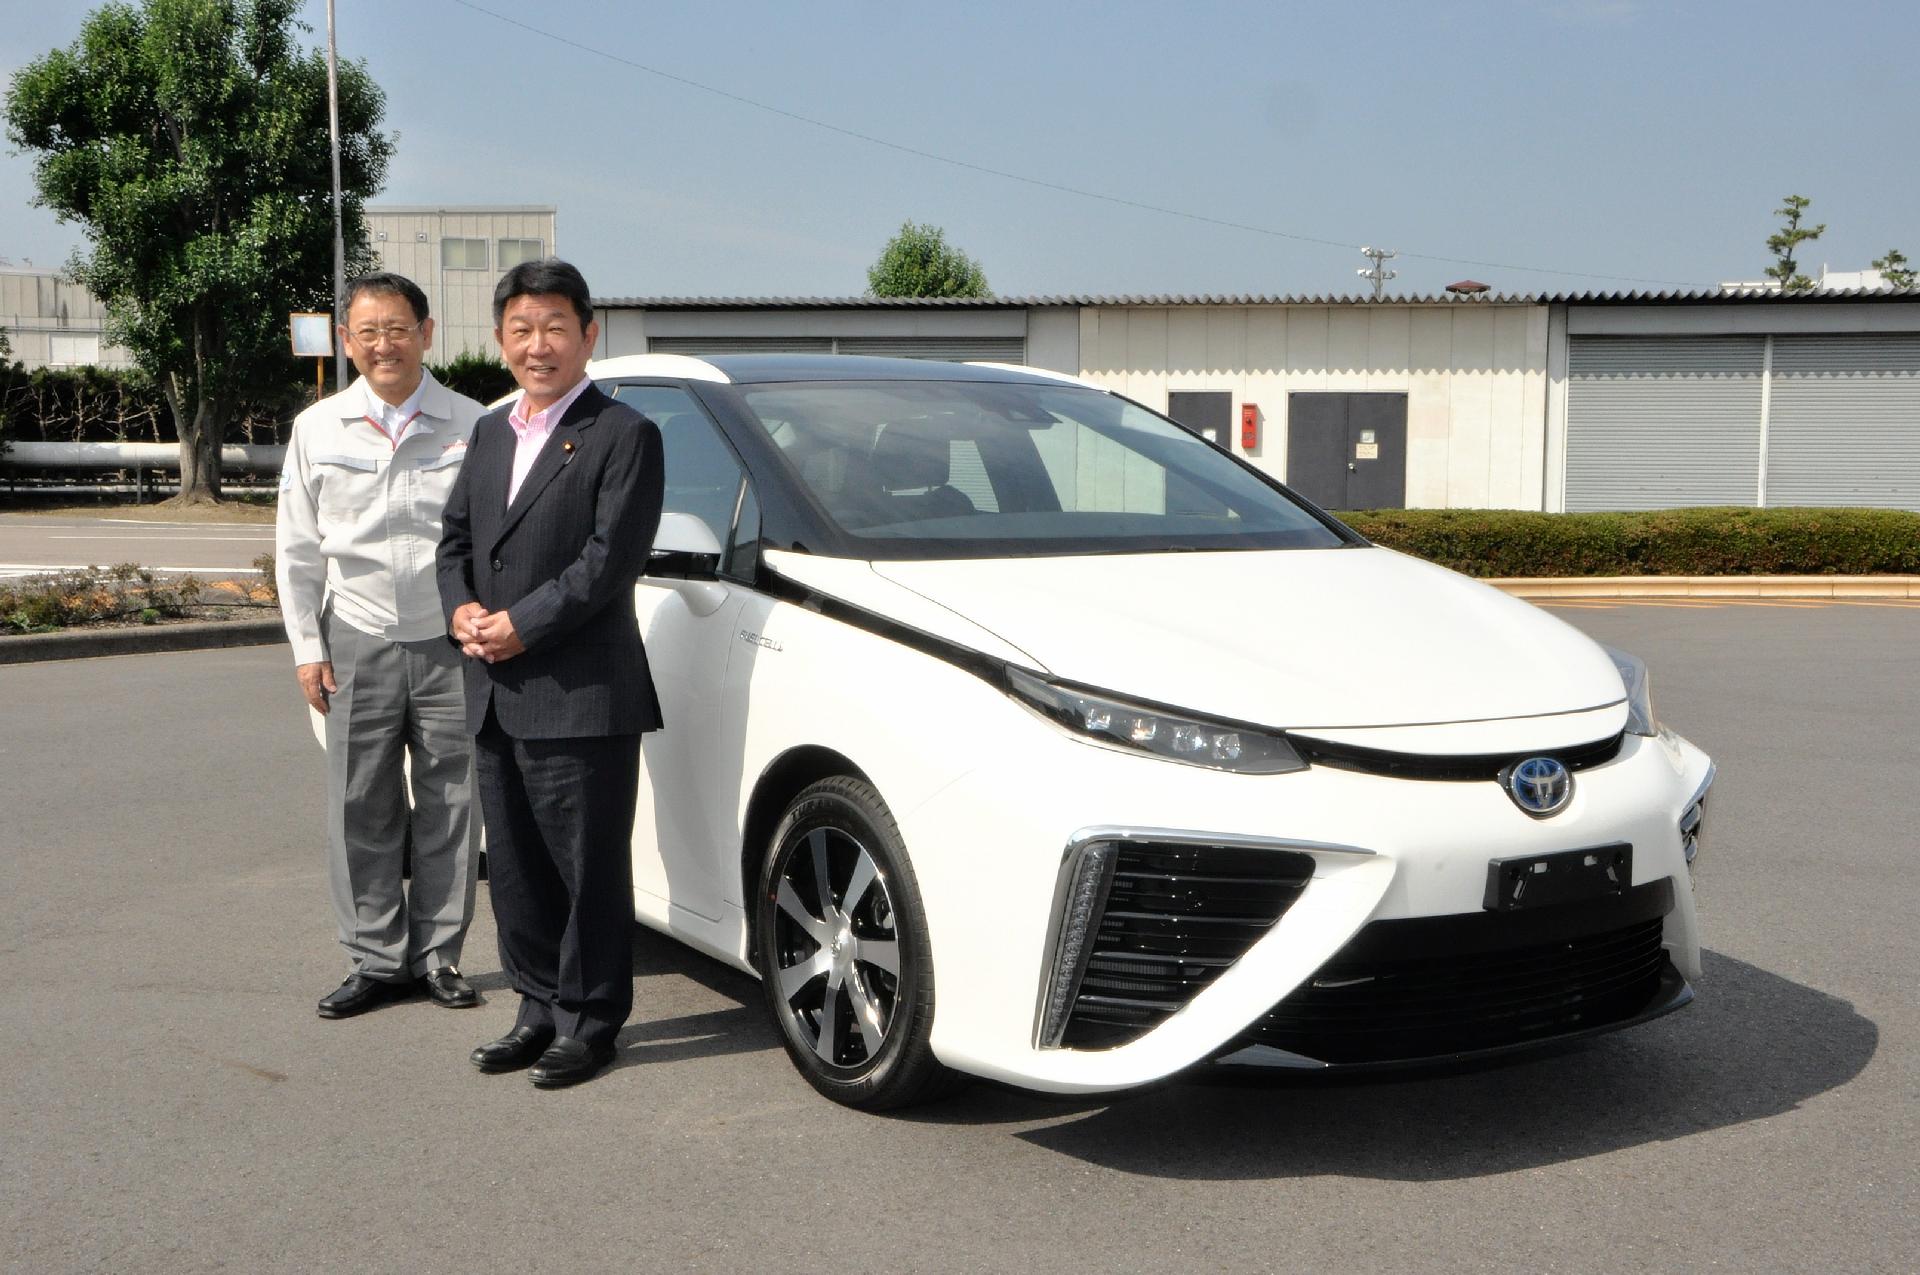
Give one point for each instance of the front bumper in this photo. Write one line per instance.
(1361, 851)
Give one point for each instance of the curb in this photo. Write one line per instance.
(1712, 587)
(84, 644)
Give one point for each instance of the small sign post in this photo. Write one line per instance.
(313, 339)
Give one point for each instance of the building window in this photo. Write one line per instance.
(66, 350)
(463, 254)
(514, 251)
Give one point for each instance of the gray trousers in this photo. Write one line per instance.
(399, 702)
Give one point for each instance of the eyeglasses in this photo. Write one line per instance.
(395, 333)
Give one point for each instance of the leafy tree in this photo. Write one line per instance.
(918, 262)
(189, 139)
(1791, 235)
(1894, 269)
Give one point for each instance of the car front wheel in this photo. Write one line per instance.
(842, 950)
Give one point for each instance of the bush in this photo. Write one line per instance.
(41, 604)
(478, 376)
(1681, 542)
(95, 404)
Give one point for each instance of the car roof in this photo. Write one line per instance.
(750, 369)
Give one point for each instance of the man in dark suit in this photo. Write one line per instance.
(546, 530)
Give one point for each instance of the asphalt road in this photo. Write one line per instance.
(171, 1102)
(33, 544)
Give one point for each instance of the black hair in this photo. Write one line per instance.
(547, 277)
(388, 282)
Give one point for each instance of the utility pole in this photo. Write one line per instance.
(1379, 274)
(339, 241)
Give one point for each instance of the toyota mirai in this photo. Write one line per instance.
(1013, 730)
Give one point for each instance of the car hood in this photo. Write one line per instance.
(1326, 638)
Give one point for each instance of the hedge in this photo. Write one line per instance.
(1680, 542)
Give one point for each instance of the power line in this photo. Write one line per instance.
(1018, 177)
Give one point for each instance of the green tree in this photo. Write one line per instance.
(1790, 236)
(1895, 269)
(189, 139)
(918, 262)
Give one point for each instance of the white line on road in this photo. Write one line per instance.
(194, 539)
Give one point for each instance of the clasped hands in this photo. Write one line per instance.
(485, 635)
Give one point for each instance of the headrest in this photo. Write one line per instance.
(913, 456)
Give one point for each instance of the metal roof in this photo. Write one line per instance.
(1678, 296)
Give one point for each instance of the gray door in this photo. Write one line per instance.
(1348, 451)
(1658, 422)
(1208, 413)
(1845, 422)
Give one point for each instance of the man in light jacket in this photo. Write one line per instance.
(366, 481)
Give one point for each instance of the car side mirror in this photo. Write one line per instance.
(684, 548)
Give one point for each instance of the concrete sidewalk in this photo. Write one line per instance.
(86, 643)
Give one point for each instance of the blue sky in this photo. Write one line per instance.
(1630, 144)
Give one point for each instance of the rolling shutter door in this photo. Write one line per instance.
(699, 345)
(954, 349)
(994, 349)
(1662, 422)
(1844, 425)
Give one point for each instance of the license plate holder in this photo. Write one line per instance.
(1532, 881)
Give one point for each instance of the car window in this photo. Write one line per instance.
(955, 468)
(703, 477)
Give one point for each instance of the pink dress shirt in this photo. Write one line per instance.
(533, 431)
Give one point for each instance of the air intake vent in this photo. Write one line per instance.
(1435, 986)
(1175, 916)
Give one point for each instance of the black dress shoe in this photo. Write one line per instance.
(521, 1047)
(447, 988)
(568, 1062)
(360, 994)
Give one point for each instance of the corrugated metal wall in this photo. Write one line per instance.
(957, 349)
(1660, 422)
(1844, 428)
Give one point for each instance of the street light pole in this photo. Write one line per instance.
(339, 240)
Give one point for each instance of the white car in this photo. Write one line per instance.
(1012, 730)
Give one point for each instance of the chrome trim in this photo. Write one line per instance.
(1700, 793)
(1194, 837)
(1693, 816)
(1098, 834)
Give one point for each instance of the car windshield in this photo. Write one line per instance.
(958, 469)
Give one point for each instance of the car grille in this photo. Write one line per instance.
(1437, 986)
(1458, 769)
(1175, 916)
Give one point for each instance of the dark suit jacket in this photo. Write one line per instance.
(562, 562)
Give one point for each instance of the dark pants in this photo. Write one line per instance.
(559, 816)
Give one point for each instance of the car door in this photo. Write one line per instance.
(685, 834)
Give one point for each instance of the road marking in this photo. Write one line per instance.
(199, 540)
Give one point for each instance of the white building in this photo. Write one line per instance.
(53, 322)
(1565, 402)
(456, 255)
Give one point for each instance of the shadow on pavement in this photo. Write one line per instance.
(1753, 1045)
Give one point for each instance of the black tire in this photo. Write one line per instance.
(849, 984)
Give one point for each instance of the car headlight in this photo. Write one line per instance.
(1174, 736)
(1633, 674)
